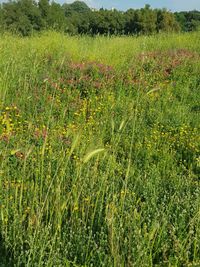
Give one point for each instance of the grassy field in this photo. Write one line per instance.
(100, 151)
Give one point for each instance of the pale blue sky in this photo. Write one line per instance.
(173, 5)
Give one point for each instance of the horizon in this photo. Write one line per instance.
(172, 5)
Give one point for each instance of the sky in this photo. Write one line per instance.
(173, 5)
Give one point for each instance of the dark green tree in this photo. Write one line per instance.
(56, 17)
(44, 8)
(147, 20)
(107, 22)
(27, 16)
(80, 7)
(22, 16)
(78, 16)
(141, 21)
(189, 21)
(166, 21)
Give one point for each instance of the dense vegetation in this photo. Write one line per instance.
(100, 151)
(28, 16)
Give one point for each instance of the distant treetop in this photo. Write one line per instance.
(27, 16)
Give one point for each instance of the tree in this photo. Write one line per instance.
(78, 16)
(22, 16)
(181, 19)
(189, 21)
(141, 21)
(166, 21)
(26, 16)
(56, 17)
(44, 8)
(79, 7)
(147, 21)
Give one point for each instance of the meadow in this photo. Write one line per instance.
(100, 151)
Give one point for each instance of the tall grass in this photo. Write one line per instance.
(99, 151)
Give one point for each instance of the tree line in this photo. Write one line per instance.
(28, 16)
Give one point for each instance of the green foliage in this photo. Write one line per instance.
(107, 22)
(79, 7)
(166, 21)
(23, 17)
(189, 21)
(27, 16)
(56, 17)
